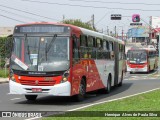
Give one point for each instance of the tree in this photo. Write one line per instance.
(5, 49)
(79, 23)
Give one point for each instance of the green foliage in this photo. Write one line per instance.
(2, 46)
(2, 62)
(5, 48)
(4, 73)
(79, 23)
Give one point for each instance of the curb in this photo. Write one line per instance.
(4, 80)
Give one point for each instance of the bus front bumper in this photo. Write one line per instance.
(144, 69)
(62, 89)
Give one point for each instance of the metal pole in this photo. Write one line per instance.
(107, 31)
(122, 33)
(115, 31)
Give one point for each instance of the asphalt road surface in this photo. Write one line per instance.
(51, 103)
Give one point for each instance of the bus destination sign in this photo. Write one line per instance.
(41, 29)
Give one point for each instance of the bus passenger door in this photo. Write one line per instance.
(121, 61)
(116, 51)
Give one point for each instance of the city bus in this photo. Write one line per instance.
(63, 60)
(142, 59)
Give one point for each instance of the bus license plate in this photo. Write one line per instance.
(36, 89)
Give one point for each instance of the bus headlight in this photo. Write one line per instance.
(65, 76)
(12, 76)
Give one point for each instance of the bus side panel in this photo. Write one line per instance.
(105, 67)
(87, 70)
(93, 76)
(96, 73)
(78, 71)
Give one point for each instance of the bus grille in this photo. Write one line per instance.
(37, 83)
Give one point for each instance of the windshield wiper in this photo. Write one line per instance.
(50, 45)
(28, 52)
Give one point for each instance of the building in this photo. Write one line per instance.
(5, 31)
(138, 34)
(154, 28)
(122, 37)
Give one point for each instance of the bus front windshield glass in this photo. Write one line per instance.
(40, 53)
(135, 56)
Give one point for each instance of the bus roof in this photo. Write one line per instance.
(78, 29)
(148, 48)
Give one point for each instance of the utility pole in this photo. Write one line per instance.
(122, 33)
(63, 17)
(107, 31)
(92, 19)
(115, 31)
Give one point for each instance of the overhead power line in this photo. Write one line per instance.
(28, 12)
(12, 18)
(86, 6)
(102, 17)
(17, 14)
(95, 1)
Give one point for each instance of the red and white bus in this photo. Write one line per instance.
(142, 60)
(63, 60)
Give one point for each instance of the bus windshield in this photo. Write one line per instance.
(137, 56)
(40, 53)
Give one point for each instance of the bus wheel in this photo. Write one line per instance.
(31, 97)
(82, 91)
(120, 84)
(108, 89)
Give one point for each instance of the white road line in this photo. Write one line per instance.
(15, 98)
(113, 99)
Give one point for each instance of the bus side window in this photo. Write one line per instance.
(111, 50)
(75, 48)
(107, 50)
(83, 40)
(83, 46)
(99, 48)
(91, 47)
(107, 45)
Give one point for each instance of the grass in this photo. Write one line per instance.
(144, 102)
(4, 74)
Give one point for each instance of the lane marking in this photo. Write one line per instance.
(15, 98)
(114, 99)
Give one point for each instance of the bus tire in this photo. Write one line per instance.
(120, 84)
(108, 89)
(82, 91)
(31, 97)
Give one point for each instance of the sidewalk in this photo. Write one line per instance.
(4, 80)
(155, 75)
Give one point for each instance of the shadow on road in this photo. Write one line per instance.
(61, 101)
(141, 73)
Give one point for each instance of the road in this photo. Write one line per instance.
(50, 103)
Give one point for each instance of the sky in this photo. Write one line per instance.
(13, 12)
